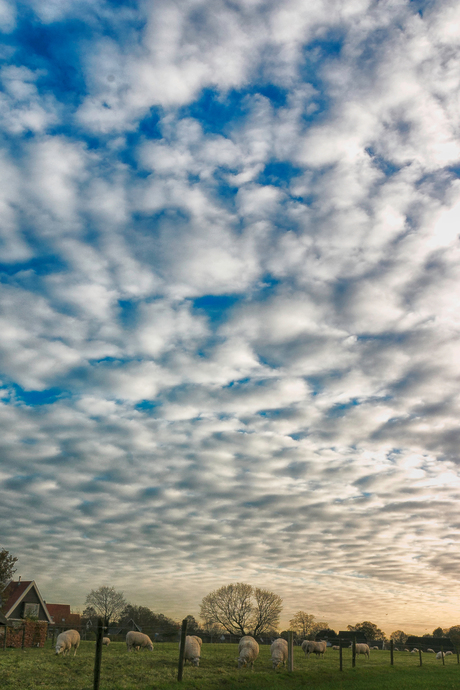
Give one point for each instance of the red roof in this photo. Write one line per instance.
(58, 611)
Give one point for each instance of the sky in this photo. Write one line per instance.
(229, 330)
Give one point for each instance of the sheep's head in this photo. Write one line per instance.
(196, 661)
(241, 662)
(150, 647)
(59, 648)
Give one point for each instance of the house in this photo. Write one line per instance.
(21, 600)
(62, 617)
(25, 614)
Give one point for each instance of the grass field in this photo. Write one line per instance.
(41, 669)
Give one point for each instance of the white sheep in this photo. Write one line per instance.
(192, 650)
(138, 640)
(362, 649)
(415, 649)
(439, 655)
(248, 651)
(310, 647)
(377, 648)
(106, 641)
(279, 652)
(66, 640)
(430, 651)
(447, 653)
(336, 646)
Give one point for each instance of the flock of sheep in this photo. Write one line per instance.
(248, 648)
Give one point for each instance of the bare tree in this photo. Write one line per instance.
(107, 602)
(7, 568)
(242, 609)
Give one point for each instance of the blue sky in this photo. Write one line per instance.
(229, 263)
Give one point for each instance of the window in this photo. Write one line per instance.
(31, 610)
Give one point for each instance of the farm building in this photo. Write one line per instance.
(377, 643)
(435, 643)
(347, 636)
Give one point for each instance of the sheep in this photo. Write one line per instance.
(66, 640)
(248, 651)
(406, 650)
(317, 648)
(362, 649)
(279, 652)
(447, 653)
(430, 651)
(192, 651)
(377, 648)
(395, 649)
(439, 655)
(106, 641)
(138, 640)
(336, 646)
(415, 649)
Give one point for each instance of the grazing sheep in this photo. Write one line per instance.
(192, 650)
(447, 653)
(248, 651)
(374, 648)
(279, 652)
(336, 646)
(362, 649)
(317, 648)
(138, 640)
(66, 640)
(439, 655)
(106, 641)
(406, 650)
(415, 649)
(430, 651)
(395, 649)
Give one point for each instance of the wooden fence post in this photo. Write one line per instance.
(340, 655)
(98, 658)
(353, 653)
(391, 651)
(420, 655)
(290, 642)
(458, 657)
(442, 655)
(183, 634)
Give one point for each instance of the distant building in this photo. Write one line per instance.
(349, 635)
(62, 617)
(434, 643)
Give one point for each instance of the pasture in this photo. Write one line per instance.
(40, 669)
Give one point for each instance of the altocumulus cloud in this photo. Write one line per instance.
(229, 326)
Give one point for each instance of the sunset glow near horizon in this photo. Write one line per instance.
(229, 335)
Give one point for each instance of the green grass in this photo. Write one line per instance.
(41, 669)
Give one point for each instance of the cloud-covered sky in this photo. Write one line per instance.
(229, 327)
